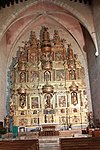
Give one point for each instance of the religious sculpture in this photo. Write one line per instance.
(22, 101)
(74, 99)
(22, 77)
(48, 101)
(34, 102)
(56, 38)
(47, 76)
(11, 107)
(7, 122)
(62, 101)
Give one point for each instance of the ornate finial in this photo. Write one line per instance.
(45, 38)
(22, 54)
(56, 38)
(22, 59)
(70, 52)
(46, 34)
(33, 40)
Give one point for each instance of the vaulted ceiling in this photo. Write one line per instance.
(43, 13)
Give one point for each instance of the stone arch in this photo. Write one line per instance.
(31, 22)
(62, 4)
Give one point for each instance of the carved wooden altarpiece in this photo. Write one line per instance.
(47, 84)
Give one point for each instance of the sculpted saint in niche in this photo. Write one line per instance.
(48, 101)
(22, 100)
(74, 99)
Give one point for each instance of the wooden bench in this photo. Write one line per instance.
(19, 145)
(87, 143)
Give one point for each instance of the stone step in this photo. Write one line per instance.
(47, 143)
(48, 146)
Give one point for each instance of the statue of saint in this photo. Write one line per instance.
(48, 101)
(46, 34)
(7, 121)
(22, 77)
(22, 100)
(47, 76)
(74, 99)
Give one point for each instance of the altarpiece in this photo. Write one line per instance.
(47, 84)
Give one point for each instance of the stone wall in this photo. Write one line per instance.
(95, 63)
(3, 65)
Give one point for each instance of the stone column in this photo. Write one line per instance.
(94, 61)
(3, 72)
(96, 68)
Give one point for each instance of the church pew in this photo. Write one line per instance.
(19, 145)
(92, 143)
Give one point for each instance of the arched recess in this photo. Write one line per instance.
(56, 15)
(65, 6)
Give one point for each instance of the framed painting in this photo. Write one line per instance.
(61, 100)
(60, 75)
(33, 76)
(34, 102)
